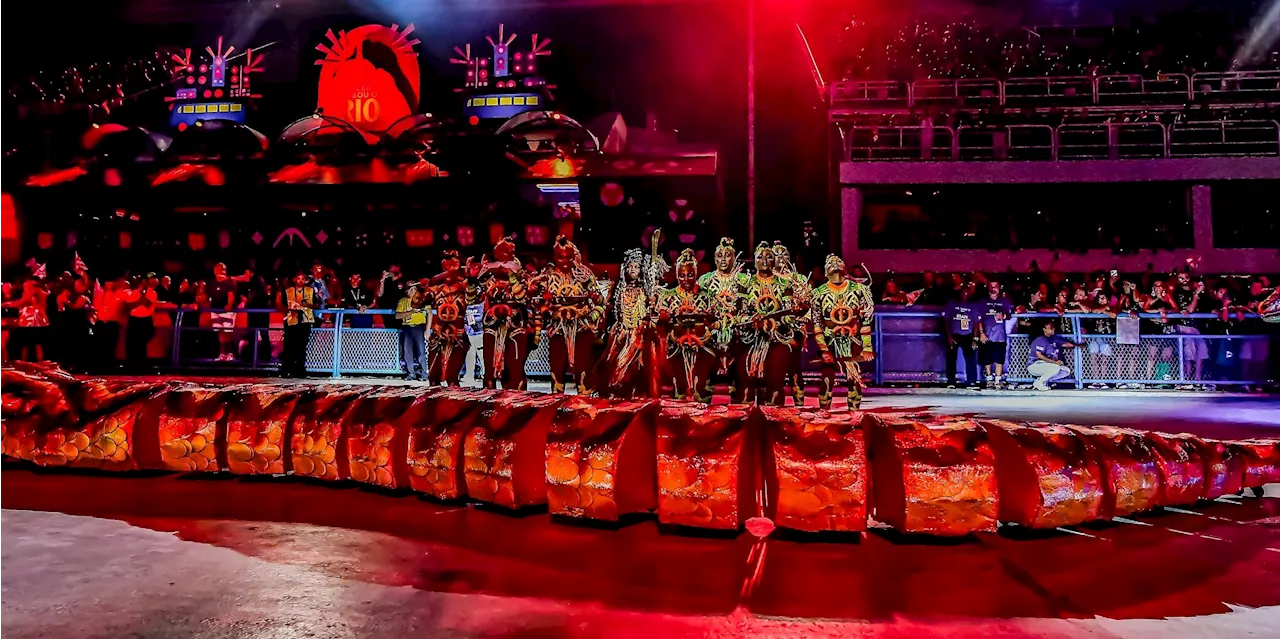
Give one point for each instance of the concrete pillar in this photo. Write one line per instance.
(1202, 217)
(850, 217)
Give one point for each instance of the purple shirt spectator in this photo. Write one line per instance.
(962, 317)
(994, 328)
(1050, 347)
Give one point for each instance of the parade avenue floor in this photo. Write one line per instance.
(162, 555)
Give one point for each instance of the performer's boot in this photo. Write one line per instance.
(855, 387)
(558, 358)
(797, 377)
(826, 386)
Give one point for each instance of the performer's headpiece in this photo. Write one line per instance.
(833, 264)
(763, 249)
(725, 248)
(632, 256)
(564, 248)
(780, 251)
(687, 256)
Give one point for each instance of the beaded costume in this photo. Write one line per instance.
(841, 312)
(800, 291)
(686, 317)
(500, 286)
(767, 330)
(722, 285)
(630, 306)
(447, 344)
(568, 299)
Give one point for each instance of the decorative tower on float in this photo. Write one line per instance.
(505, 84)
(215, 86)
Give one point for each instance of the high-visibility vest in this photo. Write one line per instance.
(306, 297)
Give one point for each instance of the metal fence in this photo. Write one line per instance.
(909, 343)
(335, 347)
(1096, 141)
(911, 348)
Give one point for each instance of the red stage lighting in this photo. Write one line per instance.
(418, 238)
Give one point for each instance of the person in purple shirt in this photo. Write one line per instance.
(1045, 361)
(992, 336)
(961, 318)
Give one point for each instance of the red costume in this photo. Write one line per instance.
(500, 286)
(569, 303)
(686, 315)
(630, 308)
(447, 344)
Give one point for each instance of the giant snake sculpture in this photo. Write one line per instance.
(719, 467)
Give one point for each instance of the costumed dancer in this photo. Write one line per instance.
(500, 286)
(841, 312)
(570, 306)
(722, 285)
(448, 343)
(686, 317)
(630, 306)
(800, 291)
(767, 330)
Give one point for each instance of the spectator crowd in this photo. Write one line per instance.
(1183, 40)
(106, 324)
(978, 313)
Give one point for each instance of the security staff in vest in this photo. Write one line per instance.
(412, 311)
(298, 303)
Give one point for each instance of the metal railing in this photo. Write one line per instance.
(918, 143)
(911, 347)
(336, 347)
(1225, 138)
(1246, 87)
(1100, 141)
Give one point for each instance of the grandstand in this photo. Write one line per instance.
(958, 141)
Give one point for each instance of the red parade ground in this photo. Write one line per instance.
(219, 555)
